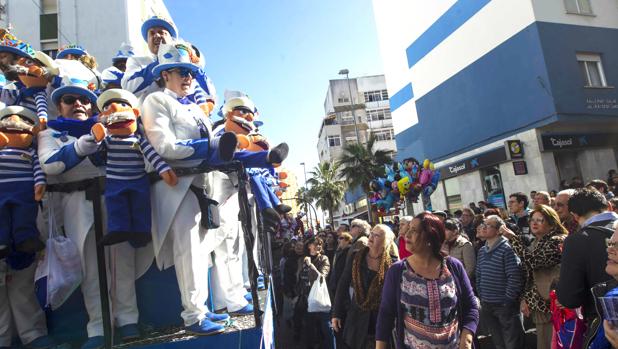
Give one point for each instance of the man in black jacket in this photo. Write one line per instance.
(584, 254)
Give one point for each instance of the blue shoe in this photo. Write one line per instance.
(96, 342)
(41, 343)
(217, 317)
(247, 309)
(260, 283)
(128, 332)
(204, 328)
(249, 297)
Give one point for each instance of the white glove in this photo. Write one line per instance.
(86, 145)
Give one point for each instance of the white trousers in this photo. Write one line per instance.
(190, 259)
(227, 273)
(19, 308)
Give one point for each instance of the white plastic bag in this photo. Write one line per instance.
(61, 264)
(318, 300)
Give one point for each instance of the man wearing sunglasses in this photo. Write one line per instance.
(139, 77)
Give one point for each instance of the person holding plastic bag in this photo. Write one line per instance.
(315, 326)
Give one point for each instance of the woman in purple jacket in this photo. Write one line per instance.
(427, 297)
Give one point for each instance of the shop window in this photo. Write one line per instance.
(492, 185)
(591, 69)
(453, 195)
(579, 7)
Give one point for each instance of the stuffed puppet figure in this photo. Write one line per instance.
(35, 73)
(127, 189)
(22, 182)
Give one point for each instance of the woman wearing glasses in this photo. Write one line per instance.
(542, 267)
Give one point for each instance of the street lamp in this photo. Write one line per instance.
(307, 211)
(346, 72)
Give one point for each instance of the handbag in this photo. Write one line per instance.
(60, 270)
(318, 300)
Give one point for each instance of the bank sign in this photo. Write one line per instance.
(578, 141)
(473, 163)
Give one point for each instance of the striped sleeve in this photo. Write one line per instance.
(39, 175)
(40, 99)
(152, 156)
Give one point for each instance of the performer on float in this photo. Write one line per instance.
(227, 242)
(127, 188)
(64, 149)
(112, 76)
(178, 130)
(22, 184)
(78, 53)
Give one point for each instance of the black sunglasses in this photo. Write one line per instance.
(244, 110)
(184, 72)
(72, 99)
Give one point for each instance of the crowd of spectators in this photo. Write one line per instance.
(441, 280)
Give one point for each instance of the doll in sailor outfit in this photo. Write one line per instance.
(127, 189)
(31, 72)
(22, 182)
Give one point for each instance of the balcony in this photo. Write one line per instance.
(380, 123)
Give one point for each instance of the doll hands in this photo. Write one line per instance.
(98, 131)
(39, 191)
(169, 177)
(4, 140)
(243, 141)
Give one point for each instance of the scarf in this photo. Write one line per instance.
(72, 127)
(371, 300)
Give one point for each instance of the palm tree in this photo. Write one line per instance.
(326, 187)
(303, 200)
(361, 164)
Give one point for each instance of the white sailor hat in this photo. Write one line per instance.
(75, 85)
(21, 111)
(235, 99)
(116, 95)
(158, 21)
(176, 55)
(125, 51)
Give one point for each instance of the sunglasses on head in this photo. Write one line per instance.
(184, 72)
(72, 99)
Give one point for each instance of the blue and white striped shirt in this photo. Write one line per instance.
(20, 165)
(125, 157)
(33, 98)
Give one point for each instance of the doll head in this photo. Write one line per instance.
(117, 112)
(18, 126)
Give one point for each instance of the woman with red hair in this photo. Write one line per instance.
(427, 297)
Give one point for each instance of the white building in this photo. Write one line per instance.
(98, 26)
(371, 107)
(466, 76)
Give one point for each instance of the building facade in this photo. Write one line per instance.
(371, 106)
(98, 26)
(466, 76)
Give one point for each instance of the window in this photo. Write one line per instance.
(378, 114)
(346, 118)
(591, 69)
(49, 20)
(580, 7)
(375, 96)
(453, 195)
(334, 141)
(50, 48)
(343, 100)
(384, 135)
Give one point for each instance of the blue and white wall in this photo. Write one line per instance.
(464, 73)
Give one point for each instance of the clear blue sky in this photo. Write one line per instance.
(282, 54)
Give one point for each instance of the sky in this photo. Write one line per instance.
(282, 53)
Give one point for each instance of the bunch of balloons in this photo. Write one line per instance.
(404, 180)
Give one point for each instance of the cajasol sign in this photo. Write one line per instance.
(473, 163)
(577, 141)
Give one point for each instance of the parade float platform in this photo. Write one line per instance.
(160, 323)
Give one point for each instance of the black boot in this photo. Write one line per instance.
(270, 219)
(283, 208)
(227, 146)
(278, 154)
